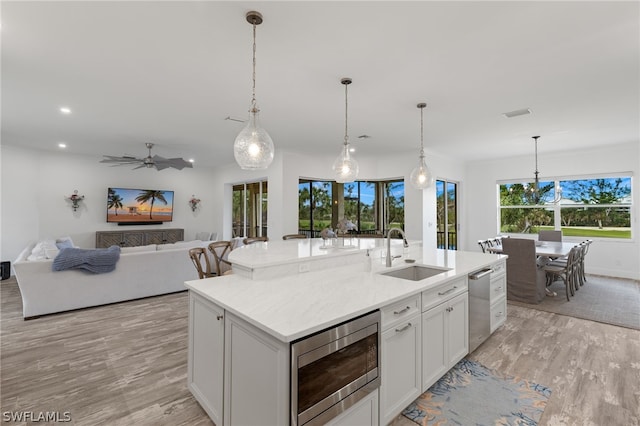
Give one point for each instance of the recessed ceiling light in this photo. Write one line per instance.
(516, 113)
(65, 110)
(62, 145)
(352, 149)
(191, 160)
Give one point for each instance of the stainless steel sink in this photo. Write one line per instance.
(415, 272)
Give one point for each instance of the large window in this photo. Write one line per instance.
(249, 209)
(589, 207)
(373, 206)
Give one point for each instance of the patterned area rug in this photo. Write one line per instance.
(471, 394)
(603, 299)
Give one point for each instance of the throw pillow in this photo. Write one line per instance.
(64, 244)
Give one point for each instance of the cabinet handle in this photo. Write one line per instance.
(219, 317)
(401, 311)
(406, 327)
(499, 314)
(449, 309)
(448, 291)
(499, 288)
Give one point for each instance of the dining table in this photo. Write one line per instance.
(545, 250)
(550, 249)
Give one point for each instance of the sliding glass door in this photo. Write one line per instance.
(249, 209)
(447, 217)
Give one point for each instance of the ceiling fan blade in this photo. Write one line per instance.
(123, 160)
(160, 163)
(176, 163)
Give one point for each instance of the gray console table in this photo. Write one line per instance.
(138, 237)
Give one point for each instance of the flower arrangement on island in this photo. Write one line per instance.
(194, 203)
(345, 225)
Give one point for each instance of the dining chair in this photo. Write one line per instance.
(197, 254)
(294, 237)
(251, 240)
(549, 235)
(485, 244)
(220, 251)
(585, 250)
(497, 241)
(566, 271)
(580, 277)
(525, 281)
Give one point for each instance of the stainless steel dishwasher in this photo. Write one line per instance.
(479, 307)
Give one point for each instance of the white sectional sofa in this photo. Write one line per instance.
(140, 272)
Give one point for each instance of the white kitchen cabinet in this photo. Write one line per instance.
(498, 295)
(457, 329)
(498, 313)
(401, 366)
(445, 337)
(252, 387)
(206, 355)
(363, 413)
(256, 385)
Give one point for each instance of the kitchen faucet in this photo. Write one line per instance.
(404, 238)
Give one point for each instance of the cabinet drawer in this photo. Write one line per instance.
(446, 291)
(498, 313)
(497, 288)
(396, 313)
(499, 268)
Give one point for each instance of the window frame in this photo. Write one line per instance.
(557, 207)
(380, 208)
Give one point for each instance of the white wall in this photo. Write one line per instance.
(36, 183)
(606, 256)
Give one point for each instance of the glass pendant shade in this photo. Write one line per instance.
(421, 177)
(345, 168)
(253, 148)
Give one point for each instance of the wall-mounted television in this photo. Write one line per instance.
(126, 206)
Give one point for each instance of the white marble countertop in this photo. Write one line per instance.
(297, 305)
(278, 252)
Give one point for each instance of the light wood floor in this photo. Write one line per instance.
(126, 364)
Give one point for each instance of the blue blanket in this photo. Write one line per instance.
(97, 261)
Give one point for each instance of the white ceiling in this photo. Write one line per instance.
(171, 72)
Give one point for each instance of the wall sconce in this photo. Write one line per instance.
(194, 203)
(75, 200)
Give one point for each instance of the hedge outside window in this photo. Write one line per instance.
(589, 207)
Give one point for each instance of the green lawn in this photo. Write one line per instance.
(594, 232)
(584, 231)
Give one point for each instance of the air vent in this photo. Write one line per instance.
(517, 113)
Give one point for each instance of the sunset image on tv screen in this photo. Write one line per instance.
(139, 205)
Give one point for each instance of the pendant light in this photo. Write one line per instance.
(253, 148)
(421, 177)
(535, 190)
(345, 168)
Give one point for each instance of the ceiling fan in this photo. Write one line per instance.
(156, 161)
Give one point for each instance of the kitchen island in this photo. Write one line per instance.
(242, 325)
